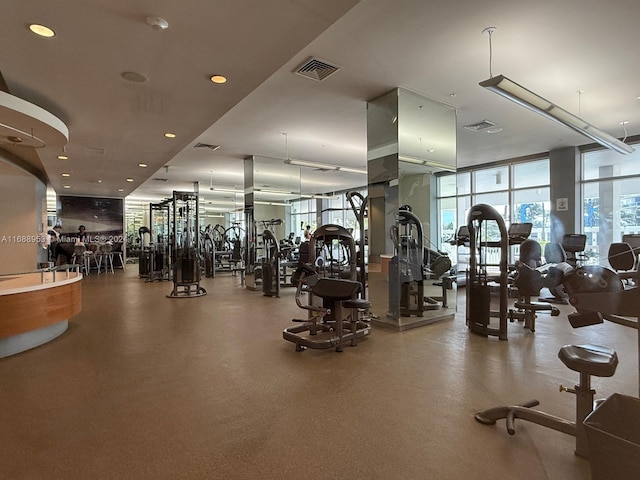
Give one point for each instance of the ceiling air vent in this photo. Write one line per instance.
(158, 179)
(482, 125)
(316, 69)
(207, 145)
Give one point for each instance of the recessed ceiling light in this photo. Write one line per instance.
(63, 157)
(170, 135)
(41, 30)
(66, 174)
(218, 79)
(129, 179)
(494, 130)
(121, 189)
(142, 165)
(134, 77)
(66, 186)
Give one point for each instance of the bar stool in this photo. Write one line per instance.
(105, 254)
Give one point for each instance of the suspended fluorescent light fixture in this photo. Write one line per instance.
(325, 166)
(277, 204)
(522, 96)
(225, 190)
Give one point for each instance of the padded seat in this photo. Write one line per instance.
(589, 359)
(534, 306)
(357, 303)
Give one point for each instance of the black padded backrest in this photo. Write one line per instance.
(554, 253)
(530, 253)
(621, 256)
(303, 252)
(336, 289)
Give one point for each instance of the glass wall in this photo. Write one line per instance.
(519, 191)
(610, 200)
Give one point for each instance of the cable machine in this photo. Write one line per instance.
(488, 258)
(159, 260)
(186, 235)
(270, 265)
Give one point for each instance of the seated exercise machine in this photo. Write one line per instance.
(596, 292)
(335, 314)
(529, 281)
(416, 263)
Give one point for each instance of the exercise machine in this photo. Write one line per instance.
(270, 265)
(488, 259)
(358, 204)
(144, 258)
(334, 312)
(186, 246)
(332, 251)
(597, 293)
(412, 265)
(528, 282)
(160, 247)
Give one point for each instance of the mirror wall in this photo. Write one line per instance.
(270, 186)
(410, 140)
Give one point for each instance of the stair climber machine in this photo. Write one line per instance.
(336, 312)
(412, 265)
(186, 261)
(488, 259)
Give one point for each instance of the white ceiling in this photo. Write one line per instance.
(553, 48)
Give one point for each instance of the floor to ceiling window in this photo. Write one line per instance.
(519, 191)
(610, 200)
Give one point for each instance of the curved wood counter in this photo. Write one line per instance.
(36, 308)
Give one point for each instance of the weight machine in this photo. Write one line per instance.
(270, 265)
(160, 257)
(332, 283)
(358, 204)
(488, 258)
(412, 265)
(186, 237)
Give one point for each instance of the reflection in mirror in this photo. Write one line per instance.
(407, 149)
(270, 187)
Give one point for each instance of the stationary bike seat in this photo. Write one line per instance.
(590, 359)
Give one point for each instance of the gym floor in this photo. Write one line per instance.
(147, 387)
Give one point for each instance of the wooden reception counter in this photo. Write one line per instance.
(35, 308)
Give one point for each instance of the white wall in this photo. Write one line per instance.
(22, 220)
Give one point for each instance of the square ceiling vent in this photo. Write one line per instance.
(481, 125)
(316, 69)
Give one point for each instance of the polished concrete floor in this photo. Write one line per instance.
(148, 387)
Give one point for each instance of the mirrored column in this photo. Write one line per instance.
(410, 140)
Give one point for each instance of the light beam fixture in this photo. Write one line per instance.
(325, 166)
(517, 93)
